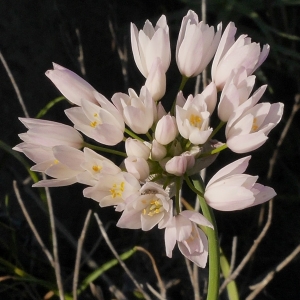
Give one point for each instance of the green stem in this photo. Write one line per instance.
(133, 135)
(107, 150)
(221, 124)
(213, 243)
(214, 151)
(177, 196)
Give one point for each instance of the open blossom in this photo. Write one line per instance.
(229, 189)
(193, 120)
(248, 129)
(150, 43)
(94, 166)
(232, 54)
(72, 86)
(196, 45)
(49, 134)
(139, 112)
(101, 122)
(63, 163)
(152, 206)
(113, 189)
(235, 92)
(192, 242)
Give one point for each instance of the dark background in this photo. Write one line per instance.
(33, 34)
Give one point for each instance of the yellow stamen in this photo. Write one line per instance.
(254, 125)
(97, 168)
(195, 120)
(117, 189)
(93, 124)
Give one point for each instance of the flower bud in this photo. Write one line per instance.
(138, 167)
(136, 148)
(166, 130)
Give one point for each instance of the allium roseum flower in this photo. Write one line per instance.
(49, 134)
(237, 54)
(72, 86)
(193, 120)
(138, 167)
(103, 122)
(94, 166)
(196, 45)
(150, 43)
(139, 112)
(248, 129)
(137, 148)
(235, 92)
(152, 206)
(113, 189)
(63, 163)
(192, 242)
(229, 189)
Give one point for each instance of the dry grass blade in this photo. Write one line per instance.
(259, 286)
(122, 264)
(30, 223)
(78, 254)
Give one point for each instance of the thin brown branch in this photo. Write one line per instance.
(122, 264)
(31, 225)
(251, 250)
(78, 254)
(80, 57)
(233, 254)
(155, 269)
(54, 244)
(122, 53)
(284, 132)
(257, 288)
(14, 84)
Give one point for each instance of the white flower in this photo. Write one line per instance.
(95, 165)
(230, 190)
(196, 45)
(72, 86)
(139, 112)
(193, 120)
(49, 134)
(248, 129)
(232, 54)
(235, 92)
(192, 242)
(113, 189)
(153, 206)
(150, 43)
(102, 123)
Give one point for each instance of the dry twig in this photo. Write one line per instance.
(54, 244)
(78, 254)
(251, 250)
(257, 288)
(122, 264)
(31, 225)
(14, 84)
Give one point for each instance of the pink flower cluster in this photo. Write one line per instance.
(162, 148)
